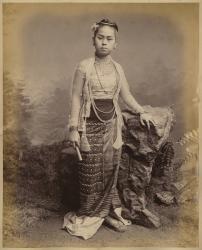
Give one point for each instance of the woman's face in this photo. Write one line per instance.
(104, 41)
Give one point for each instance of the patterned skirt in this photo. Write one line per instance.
(97, 173)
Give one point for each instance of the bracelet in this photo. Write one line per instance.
(73, 128)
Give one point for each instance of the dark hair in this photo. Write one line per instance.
(105, 22)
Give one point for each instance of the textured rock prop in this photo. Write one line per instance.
(145, 152)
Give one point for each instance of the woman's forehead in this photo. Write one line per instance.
(106, 31)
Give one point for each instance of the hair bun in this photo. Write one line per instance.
(106, 21)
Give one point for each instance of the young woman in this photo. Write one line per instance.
(95, 127)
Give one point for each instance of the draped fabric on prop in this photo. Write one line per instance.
(141, 147)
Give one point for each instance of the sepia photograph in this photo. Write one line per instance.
(100, 125)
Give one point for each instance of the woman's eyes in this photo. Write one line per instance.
(108, 39)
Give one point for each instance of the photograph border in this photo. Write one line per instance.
(200, 118)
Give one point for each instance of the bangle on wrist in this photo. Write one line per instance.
(73, 128)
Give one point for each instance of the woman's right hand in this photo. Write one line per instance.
(74, 138)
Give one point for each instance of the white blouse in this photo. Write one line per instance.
(103, 79)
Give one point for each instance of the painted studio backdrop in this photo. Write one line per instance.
(42, 44)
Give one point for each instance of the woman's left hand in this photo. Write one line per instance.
(146, 118)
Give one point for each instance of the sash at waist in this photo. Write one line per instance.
(104, 108)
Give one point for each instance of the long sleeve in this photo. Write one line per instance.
(77, 87)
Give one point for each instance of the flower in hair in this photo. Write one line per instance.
(94, 27)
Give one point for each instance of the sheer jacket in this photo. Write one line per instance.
(87, 68)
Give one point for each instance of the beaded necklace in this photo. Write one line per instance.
(95, 108)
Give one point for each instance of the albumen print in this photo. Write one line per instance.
(100, 129)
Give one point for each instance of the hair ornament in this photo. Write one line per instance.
(94, 27)
(109, 23)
